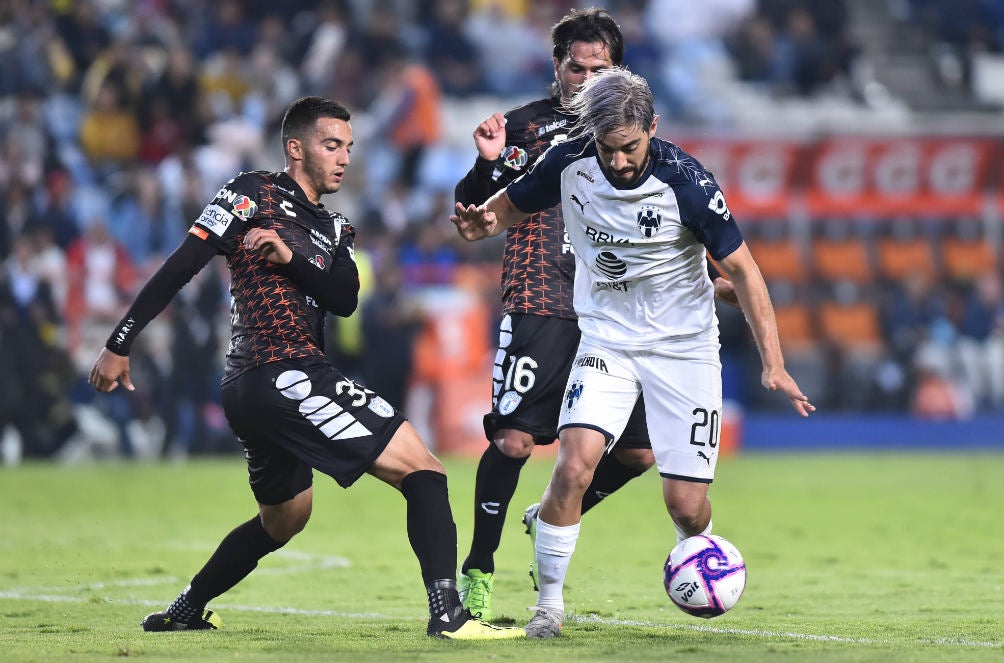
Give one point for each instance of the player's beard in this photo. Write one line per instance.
(318, 176)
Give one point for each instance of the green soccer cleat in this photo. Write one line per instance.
(161, 621)
(530, 522)
(467, 627)
(475, 589)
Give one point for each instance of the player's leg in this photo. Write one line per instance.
(599, 398)
(688, 506)
(684, 407)
(408, 465)
(629, 459)
(531, 369)
(494, 486)
(283, 488)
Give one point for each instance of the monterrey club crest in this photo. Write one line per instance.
(649, 221)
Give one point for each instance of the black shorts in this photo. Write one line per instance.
(296, 414)
(531, 372)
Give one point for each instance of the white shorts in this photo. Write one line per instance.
(683, 402)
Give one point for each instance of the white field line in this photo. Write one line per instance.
(24, 595)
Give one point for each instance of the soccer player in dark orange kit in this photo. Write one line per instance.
(291, 261)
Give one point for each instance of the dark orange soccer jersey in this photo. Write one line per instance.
(538, 265)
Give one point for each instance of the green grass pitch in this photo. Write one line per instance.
(851, 557)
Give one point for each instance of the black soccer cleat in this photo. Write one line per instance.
(161, 621)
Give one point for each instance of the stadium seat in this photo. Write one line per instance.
(899, 258)
(795, 327)
(965, 259)
(842, 259)
(778, 260)
(854, 326)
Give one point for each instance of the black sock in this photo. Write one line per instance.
(235, 557)
(443, 601)
(431, 530)
(609, 476)
(494, 487)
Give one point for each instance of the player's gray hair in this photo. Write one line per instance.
(611, 99)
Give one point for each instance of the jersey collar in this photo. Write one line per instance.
(287, 182)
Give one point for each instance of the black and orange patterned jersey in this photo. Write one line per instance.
(538, 264)
(271, 317)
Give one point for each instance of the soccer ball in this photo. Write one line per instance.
(705, 575)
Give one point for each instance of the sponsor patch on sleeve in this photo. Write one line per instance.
(215, 219)
(514, 157)
(198, 232)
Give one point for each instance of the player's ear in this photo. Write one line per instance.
(655, 123)
(294, 148)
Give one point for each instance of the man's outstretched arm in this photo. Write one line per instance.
(476, 222)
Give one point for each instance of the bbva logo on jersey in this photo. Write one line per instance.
(649, 221)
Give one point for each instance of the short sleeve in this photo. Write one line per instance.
(705, 213)
(540, 187)
(229, 213)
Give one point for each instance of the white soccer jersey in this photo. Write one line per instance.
(641, 277)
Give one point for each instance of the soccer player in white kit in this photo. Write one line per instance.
(642, 215)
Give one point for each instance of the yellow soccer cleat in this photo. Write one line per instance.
(466, 627)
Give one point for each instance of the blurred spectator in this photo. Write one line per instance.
(190, 393)
(31, 54)
(981, 340)
(691, 35)
(406, 114)
(426, 257)
(755, 52)
(109, 133)
(101, 276)
(450, 53)
(83, 34)
(35, 396)
(223, 26)
(27, 136)
(909, 311)
(960, 29)
(509, 49)
(146, 228)
(937, 395)
(225, 81)
(391, 319)
(175, 96)
(56, 213)
(121, 65)
(326, 45)
(15, 212)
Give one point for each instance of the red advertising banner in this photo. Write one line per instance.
(899, 176)
(756, 175)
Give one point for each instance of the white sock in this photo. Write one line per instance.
(681, 535)
(553, 551)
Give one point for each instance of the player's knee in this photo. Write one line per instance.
(638, 460)
(572, 476)
(285, 525)
(691, 518)
(514, 443)
(284, 521)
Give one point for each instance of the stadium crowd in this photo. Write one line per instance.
(120, 120)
